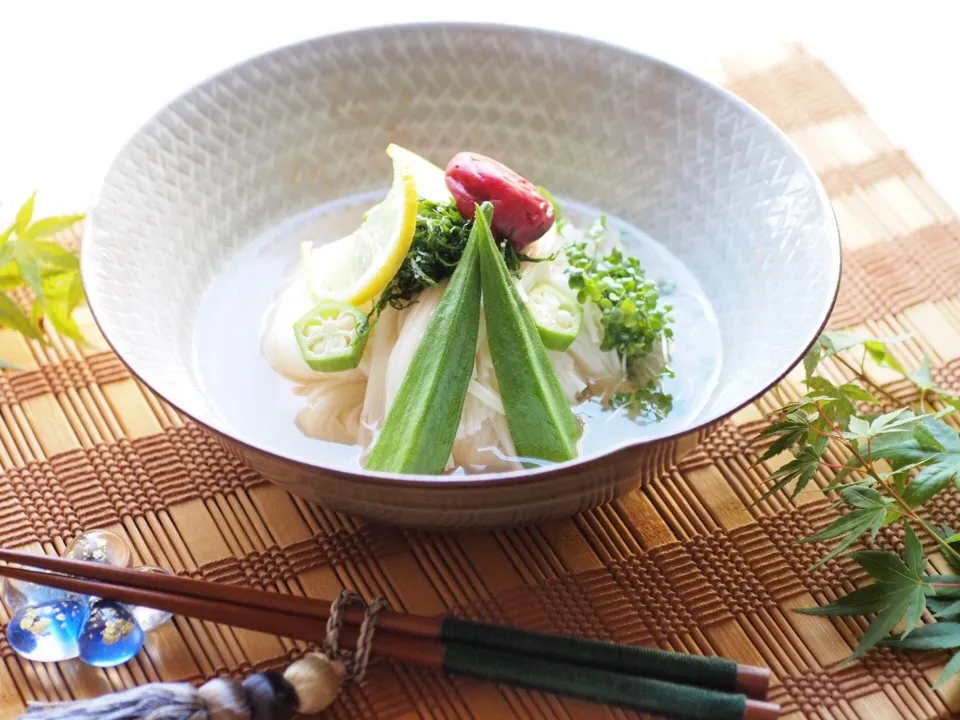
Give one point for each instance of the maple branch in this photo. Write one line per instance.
(865, 379)
(905, 509)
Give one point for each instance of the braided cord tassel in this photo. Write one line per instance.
(307, 686)
(355, 663)
(166, 701)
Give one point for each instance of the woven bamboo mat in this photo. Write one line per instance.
(687, 563)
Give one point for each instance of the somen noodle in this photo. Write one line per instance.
(350, 406)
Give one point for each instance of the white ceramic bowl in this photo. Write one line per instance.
(685, 161)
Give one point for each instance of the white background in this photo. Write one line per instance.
(77, 78)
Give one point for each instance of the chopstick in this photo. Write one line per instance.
(421, 651)
(416, 625)
(711, 673)
(604, 672)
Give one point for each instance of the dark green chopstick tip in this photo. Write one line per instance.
(713, 673)
(592, 684)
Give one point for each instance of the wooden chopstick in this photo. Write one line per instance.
(404, 648)
(534, 673)
(415, 625)
(674, 667)
(454, 641)
(713, 673)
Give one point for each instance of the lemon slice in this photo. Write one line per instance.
(430, 180)
(356, 268)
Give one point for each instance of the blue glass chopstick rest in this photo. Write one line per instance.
(50, 625)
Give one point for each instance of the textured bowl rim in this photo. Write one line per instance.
(482, 480)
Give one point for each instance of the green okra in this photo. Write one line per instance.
(557, 316)
(540, 419)
(332, 336)
(421, 426)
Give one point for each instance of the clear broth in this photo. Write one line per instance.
(253, 400)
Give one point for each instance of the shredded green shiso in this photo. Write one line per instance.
(438, 243)
(633, 319)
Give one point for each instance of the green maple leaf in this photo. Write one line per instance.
(24, 215)
(838, 402)
(943, 586)
(924, 454)
(949, 670)
(789, 432)
(49, 269)
(812, 360)
(869, 516)
(875, 347)
(799, 471)
(922, 377)
(931, 445)
(885, 424)
(937, 636)
(899, 592)
(943, 607)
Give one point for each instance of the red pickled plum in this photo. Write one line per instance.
(521, 213)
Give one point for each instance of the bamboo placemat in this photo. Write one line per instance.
(688, 563)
